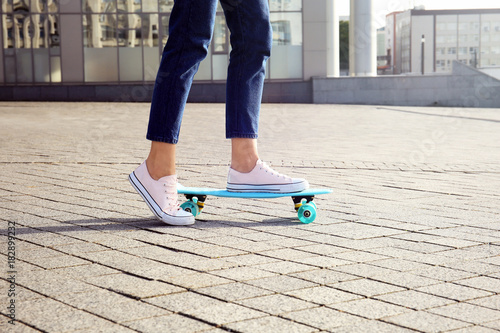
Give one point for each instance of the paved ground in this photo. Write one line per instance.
(408, 241)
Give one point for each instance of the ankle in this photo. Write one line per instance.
(244, 165)
(159, 170)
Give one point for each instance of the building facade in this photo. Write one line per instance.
(121, 41)
(471, 37)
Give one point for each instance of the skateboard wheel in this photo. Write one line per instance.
(191, 207)
(307, 213)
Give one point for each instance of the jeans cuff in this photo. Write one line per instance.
(241, 136)
(162, 139)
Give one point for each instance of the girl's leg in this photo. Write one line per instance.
(161, 160)
(190, 29)
(251, 40)
(190, 32)
(244, 154)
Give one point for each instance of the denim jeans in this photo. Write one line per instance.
(190, 33)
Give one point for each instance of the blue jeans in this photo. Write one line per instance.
(190, 33)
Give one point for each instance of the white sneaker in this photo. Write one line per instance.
(264, 179)
(161, 196)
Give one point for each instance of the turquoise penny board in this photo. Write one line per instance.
(303, 200)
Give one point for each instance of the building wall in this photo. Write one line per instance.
(315, 32)
(422, 25)
(465, 87)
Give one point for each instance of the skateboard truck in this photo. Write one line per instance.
(298, 201)
(195, 203)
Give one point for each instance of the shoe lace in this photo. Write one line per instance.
(171, 194)
(268, 169)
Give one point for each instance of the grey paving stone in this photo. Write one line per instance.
(58, 262)
(369, 325)
(402, 265)
(276, 304)
(454, 291)
(196, 280)
(168, 323)
(83, 271)
(415, 300)
(49, 315)
(127, 311)
(363, 270)
(476, 329)
(5, 326)
(324, 276)
(205, 308)
(284, 267)
(492, 302)
(427, 322)
(444, 274)
(322, 261)
(233, 291)
(92, 298)
(493, 324)
(323, 295)
(133, 286)
(483, 283)
(281, 283)
(270, 324)
(321, 317)
(365, 287)
(244, 273)
(370, 308)
(467, 312)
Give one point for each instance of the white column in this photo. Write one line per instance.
(362, 39)
(332, 39)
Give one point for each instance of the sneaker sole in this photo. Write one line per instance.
(157, 211)
(268, 188)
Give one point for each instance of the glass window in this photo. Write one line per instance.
(464, 26)
(220, 42)
(99, 6)
(285, 5)
(149, 6)
(100, 47)
(486, 26)
(31, 29)
(286, 60)
(129, 6)
(166, 5)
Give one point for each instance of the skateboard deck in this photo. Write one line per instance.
(304, 206)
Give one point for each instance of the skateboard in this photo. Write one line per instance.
(304, 205)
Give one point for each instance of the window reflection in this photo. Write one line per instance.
(29, 30)
(28, 24)
(220, 35)
(285, 5)
(166, 5)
